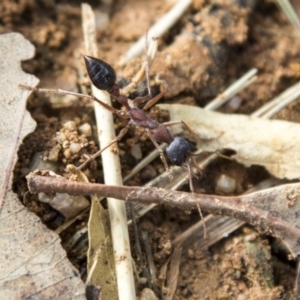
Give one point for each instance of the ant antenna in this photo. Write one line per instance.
(150, 55)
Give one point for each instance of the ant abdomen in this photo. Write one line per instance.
(179, 150)
(102, 75)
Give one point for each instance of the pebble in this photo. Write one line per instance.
(37, 162)
(225, 185)
(147, 294)
(69, 206)
(75, 147)
(136, 151)
(54, 153)
(85, 129)
(70, 125)
(60, 137)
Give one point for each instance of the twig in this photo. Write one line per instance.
(150, 260)
(289, 11)
(217, 226)
(173, 274)
(138, 248)
(279, 102)
(238, 207)
(166, 22)
(232, 90)
(297, 296)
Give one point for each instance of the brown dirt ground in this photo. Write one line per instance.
(241, 266)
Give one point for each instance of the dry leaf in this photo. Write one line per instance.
(269, 143)
(100, 245)
(32, 262)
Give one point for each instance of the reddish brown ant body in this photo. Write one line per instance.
(103, 76)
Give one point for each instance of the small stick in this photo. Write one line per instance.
(238, 207)
(158, 29)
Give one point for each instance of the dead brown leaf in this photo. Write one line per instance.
(32, 262)
(269, 143)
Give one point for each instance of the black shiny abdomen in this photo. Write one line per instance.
(102, 75)
(179, 150)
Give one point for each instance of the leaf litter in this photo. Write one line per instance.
(32, 261)
(193, 259)
(268, 143)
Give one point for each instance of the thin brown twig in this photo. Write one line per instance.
(238, 207)
(173, 274)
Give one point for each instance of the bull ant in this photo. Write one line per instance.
(103, 76)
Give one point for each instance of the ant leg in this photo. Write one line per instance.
(199, 170)
(63, 92)
(149, 96)
(137, 78)
(144, 68)
(158, 97)
(141, 99)
(118, 138)
(193, 192)
(161, 153)
(183, 124)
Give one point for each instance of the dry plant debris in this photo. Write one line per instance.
(261, 39)
(269, 143)
(272, 211)
(32, 261)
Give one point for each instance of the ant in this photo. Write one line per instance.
(103, 76)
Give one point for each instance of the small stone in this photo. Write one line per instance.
(67, 153)
(148, 173)
(37, 162)
(60, 137)
(54, 153)
(65, 144)
(75, 147)
(191, 254)
(85, 129)
(136, 151)
(234, 103)
(69, 206)
(147, 294)
(45, 198)
(251, 237)
(225, 185)
(70, 125)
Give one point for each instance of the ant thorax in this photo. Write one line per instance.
(140, 118)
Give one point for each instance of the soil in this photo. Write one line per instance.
(212, 45)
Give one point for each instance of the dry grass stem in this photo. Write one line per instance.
(112, 172)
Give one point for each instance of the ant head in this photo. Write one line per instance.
(179, 150)
(102, 75)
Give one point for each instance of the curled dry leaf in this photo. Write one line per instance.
(269, 143)
(101, 252)
(32, 262)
